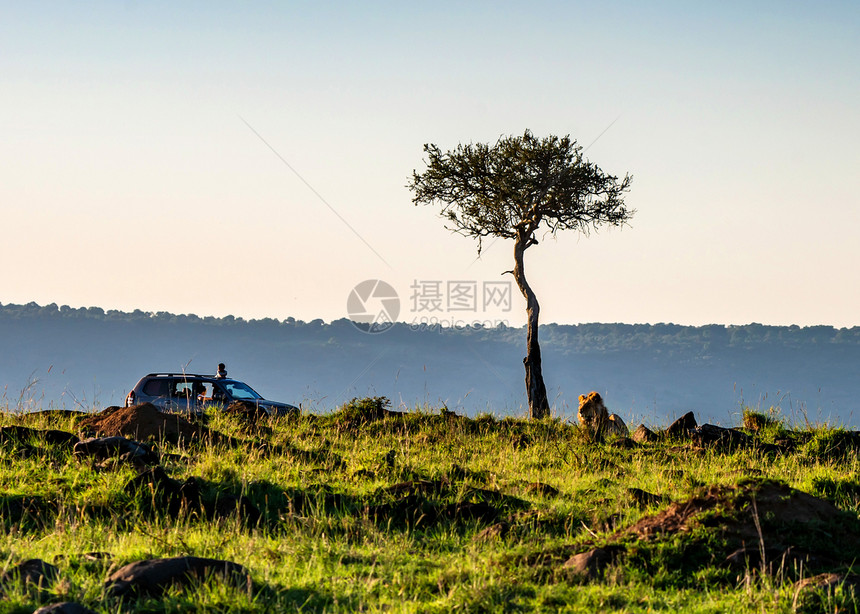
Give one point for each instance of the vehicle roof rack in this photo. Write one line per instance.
(179, 375)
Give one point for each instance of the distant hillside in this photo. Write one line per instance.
(64, 357)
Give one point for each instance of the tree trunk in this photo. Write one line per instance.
(535, 388)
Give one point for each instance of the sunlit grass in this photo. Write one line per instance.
(318, 547)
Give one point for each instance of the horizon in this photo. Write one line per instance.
(286, 319)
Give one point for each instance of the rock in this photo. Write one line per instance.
(102, 448)
(592, 564)
(65, 607)
(154, 576)
(59, 438)
(710, 436)
(33, 573)
(643, 434)
(682, 426)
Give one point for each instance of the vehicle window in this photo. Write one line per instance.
(240, 391)
(218, 394)
(204, 391)
(196, 389)
(156, 388)
(182, 388)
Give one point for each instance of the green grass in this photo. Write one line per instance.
(478, 530)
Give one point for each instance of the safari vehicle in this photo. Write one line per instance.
(190, 393)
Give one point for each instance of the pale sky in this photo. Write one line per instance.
(133, 176)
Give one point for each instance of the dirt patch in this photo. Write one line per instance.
(143, 422)
(678, 517)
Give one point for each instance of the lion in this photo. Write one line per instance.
(594, 416)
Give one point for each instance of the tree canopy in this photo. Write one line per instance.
(517, 184)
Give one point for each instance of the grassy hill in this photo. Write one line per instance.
(371, 510)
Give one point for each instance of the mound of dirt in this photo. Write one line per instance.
(142, 422)
(754, 511)
(678, 517)
(755, 524)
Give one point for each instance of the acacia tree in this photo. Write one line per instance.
(511, 189)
